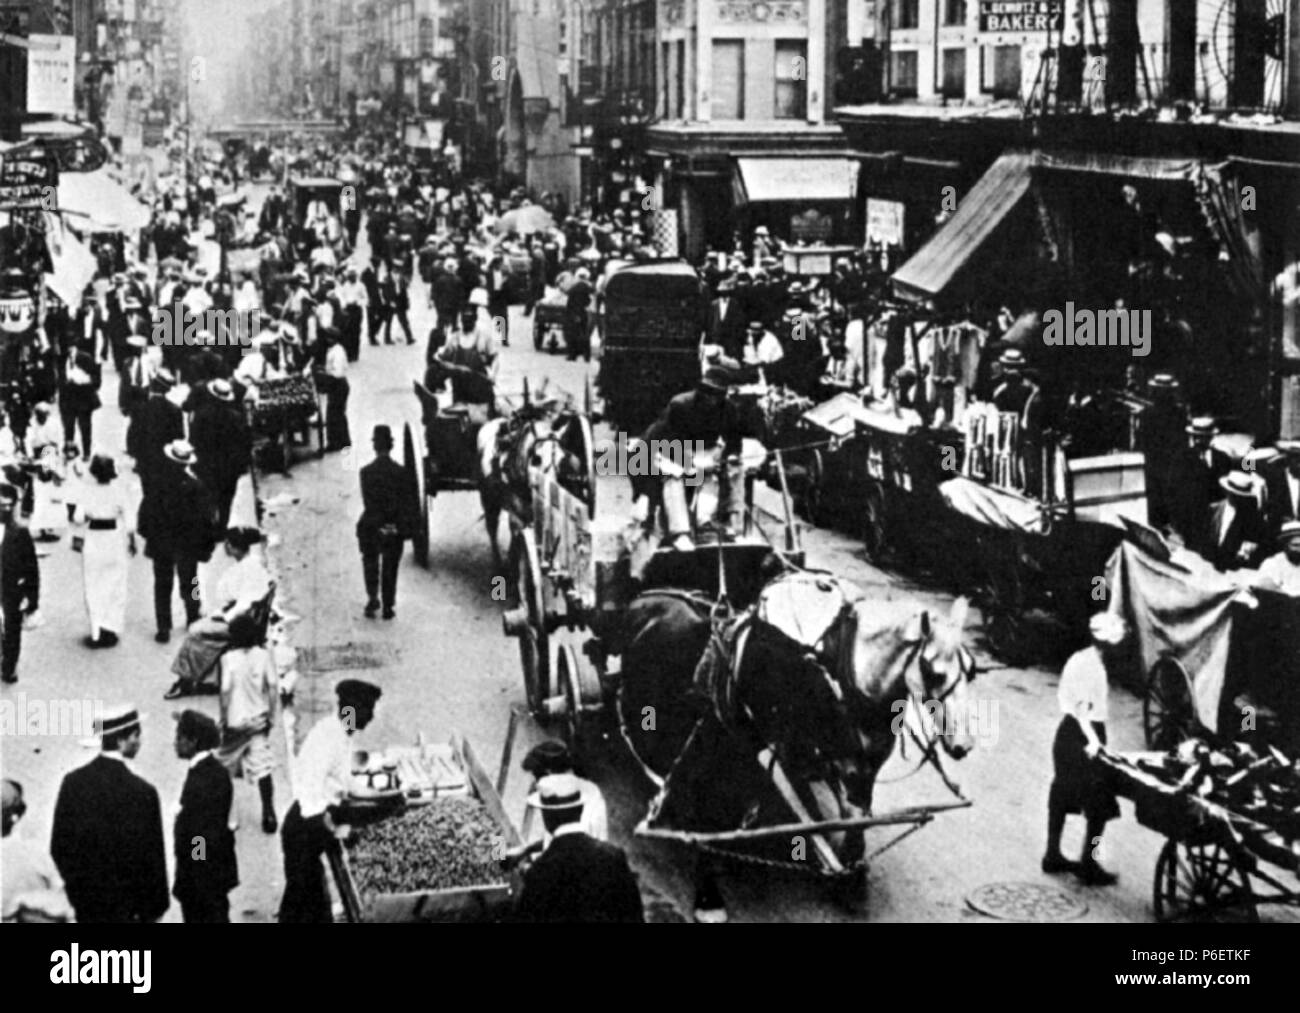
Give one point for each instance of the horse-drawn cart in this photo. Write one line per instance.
(726, 679)
(429, 837)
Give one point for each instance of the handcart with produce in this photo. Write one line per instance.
(287, 411)
(431, 839)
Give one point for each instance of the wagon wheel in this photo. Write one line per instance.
(875, 523)
(1168, 711)
(1202, 883)
(568, 718)
(586, 451)
(420, 508)
(539, 331)
(534, 641)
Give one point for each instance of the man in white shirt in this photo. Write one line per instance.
(1081, 784)
(762, 348)
(1281, 572)
(322, 777)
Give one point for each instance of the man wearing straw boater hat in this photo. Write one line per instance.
(107, 839)
(1281, 572)
(1236, 532)
(577, 878)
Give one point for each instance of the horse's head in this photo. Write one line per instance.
(924, 666)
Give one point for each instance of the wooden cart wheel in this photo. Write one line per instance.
(586, 451)
(875, 524)
(1005, 625)
(1202, 883)
(1168, 711)
(411, 464)
(539, 330)
(569, 721)
(534, 640)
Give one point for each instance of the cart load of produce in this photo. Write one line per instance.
(1260, 784)
(290, 398)
(447, 844)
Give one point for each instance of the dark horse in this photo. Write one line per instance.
(823, 678)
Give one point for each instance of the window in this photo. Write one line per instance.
(791, 80)
(954, 73)
(666, 97)
(1006, 71)
(954, 12)
(728, 100)
(681, 79)
(902, 74)
(907, 14)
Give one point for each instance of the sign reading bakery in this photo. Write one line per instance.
(1013, 16)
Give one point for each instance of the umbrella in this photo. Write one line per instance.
(526, 219)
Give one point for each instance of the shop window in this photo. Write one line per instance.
(954, 12)
(791, 80)
(954, 73)
(907, 14)
(902, 74)
(728, 100)
(1006, 71)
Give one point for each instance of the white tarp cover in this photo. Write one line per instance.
(99, 197)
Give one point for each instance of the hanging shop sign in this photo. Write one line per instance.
(17, 311)
(885, 221)
(1021, 15)
(27, 182)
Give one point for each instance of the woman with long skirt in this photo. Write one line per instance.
(103, 517)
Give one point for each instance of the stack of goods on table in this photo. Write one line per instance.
(1258, 786)
(448, 844)
(420, 773)
(281, 400)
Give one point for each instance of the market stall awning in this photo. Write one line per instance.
(795, 179)
(935, 266)
(99, 197)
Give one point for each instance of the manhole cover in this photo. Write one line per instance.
(1026, 902)
(345, 657)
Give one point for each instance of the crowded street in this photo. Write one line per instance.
(585, 500)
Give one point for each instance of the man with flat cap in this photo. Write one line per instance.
(206, 868)
(107, 839)
(385, 523)
(322, 775)
(577, 878)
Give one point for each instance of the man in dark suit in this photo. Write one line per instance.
(376, 311)
(577, 320)
(178, 523)
(1196, 484)
(1236, 534)
(20, 582)
(577, 878)
(107, 839)
(448, 294)
(727, 321)
(385, 523)
(1284, 486)
(206, 868)
(154, 424)
(223, 443)
(79, 383)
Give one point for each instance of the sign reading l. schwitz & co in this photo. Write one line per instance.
(1021, 15)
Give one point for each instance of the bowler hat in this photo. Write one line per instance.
(383, 437)
(549, 757)
(357, 693)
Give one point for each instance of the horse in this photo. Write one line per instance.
(814, 671)
(537, 437)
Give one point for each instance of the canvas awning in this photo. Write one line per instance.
(758, 180)
(931, 272)
(99, 197)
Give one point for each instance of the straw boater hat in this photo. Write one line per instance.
(1241, 484)
(180, 451)
(1202, 426)
(1289, 531)
(1107, 628)
(112, 719)
(1162, 381)
(137, 341)
(221, 390)
(557, 793)
(1012, 358)
(1289, 447)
